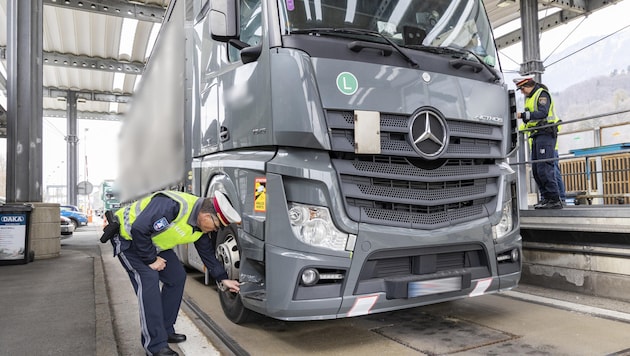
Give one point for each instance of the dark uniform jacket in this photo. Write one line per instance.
(142, 229)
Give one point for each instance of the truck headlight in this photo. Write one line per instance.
(505, 224)
(313, 226)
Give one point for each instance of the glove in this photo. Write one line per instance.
(111, 230)
(525, 118)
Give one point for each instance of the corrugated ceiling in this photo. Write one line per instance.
(71, 30)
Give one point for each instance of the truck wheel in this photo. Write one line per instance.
(228, 253)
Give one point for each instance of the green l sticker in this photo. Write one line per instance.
(347, 83)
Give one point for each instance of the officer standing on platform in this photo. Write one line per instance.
(539, 111)
(149, 229)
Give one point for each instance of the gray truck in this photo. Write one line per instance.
(365, 144)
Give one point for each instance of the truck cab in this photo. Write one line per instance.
(366, 145)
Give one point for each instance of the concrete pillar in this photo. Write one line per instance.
(531, 46)
(44, 230)
(73, 147)
(24, 100)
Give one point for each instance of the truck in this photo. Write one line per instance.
(109, 195)
(366, 145)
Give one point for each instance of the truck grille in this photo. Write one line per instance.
(398, 188)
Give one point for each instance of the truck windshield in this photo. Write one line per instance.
(459, 24)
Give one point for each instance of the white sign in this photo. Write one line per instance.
(12, 236)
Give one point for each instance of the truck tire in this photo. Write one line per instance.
(228, 253)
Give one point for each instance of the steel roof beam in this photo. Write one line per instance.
(579, 6)
(544, 24)
(557, 19)
(118, 8)
(89, 95)
(84, 115)
(69, 60)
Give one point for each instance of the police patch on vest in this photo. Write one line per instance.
(160, 224)
(542, 100)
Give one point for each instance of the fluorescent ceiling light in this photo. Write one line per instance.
(119, 81)
(152, 38)
(505, 3)
(137, 82)
(113, 107)
(398, 12)
(127, 36)
(352, 9)
(318, 9)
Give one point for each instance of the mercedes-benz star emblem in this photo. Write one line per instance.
(429, 134)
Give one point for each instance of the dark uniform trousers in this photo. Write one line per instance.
(543, 147)
(158, 307)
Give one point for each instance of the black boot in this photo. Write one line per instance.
(167, 351)
(551, 204)
(176, 338)
(540, 203)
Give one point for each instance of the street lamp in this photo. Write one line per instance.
(85, 152)
(87, 198)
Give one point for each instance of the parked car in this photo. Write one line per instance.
(71, 207)
(67, 227)
(72, 212)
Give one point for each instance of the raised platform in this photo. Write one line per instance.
(583, 249)
(586, 218)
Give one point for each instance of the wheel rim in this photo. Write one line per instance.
(227, 253)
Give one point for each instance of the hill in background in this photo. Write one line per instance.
(593, 80)
(593, 97)
(587, 59)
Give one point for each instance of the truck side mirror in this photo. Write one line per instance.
(224, 19)
(248, 53)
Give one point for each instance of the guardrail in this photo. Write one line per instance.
(583, 249)
(595, 162)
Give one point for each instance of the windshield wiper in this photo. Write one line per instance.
(466, 52)
(486, 65)
(357, 31)
(462, 53)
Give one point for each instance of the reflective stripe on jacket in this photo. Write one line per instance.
(531, 105)
(178, 232)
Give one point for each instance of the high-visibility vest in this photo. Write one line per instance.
(528, 134)
(178, 232)
(531, 105)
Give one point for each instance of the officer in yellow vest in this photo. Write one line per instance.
(539, 111)
(149, 229)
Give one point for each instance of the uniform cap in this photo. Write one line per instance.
(225, 211)
(523, 80)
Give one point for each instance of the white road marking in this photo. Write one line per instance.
(196, 343)
(605, 313)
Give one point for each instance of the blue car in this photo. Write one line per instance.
(73, 213)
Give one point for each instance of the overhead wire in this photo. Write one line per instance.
(587, 46)
(508, 57)
(50, 124)
(565, 38)
(560, 44)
